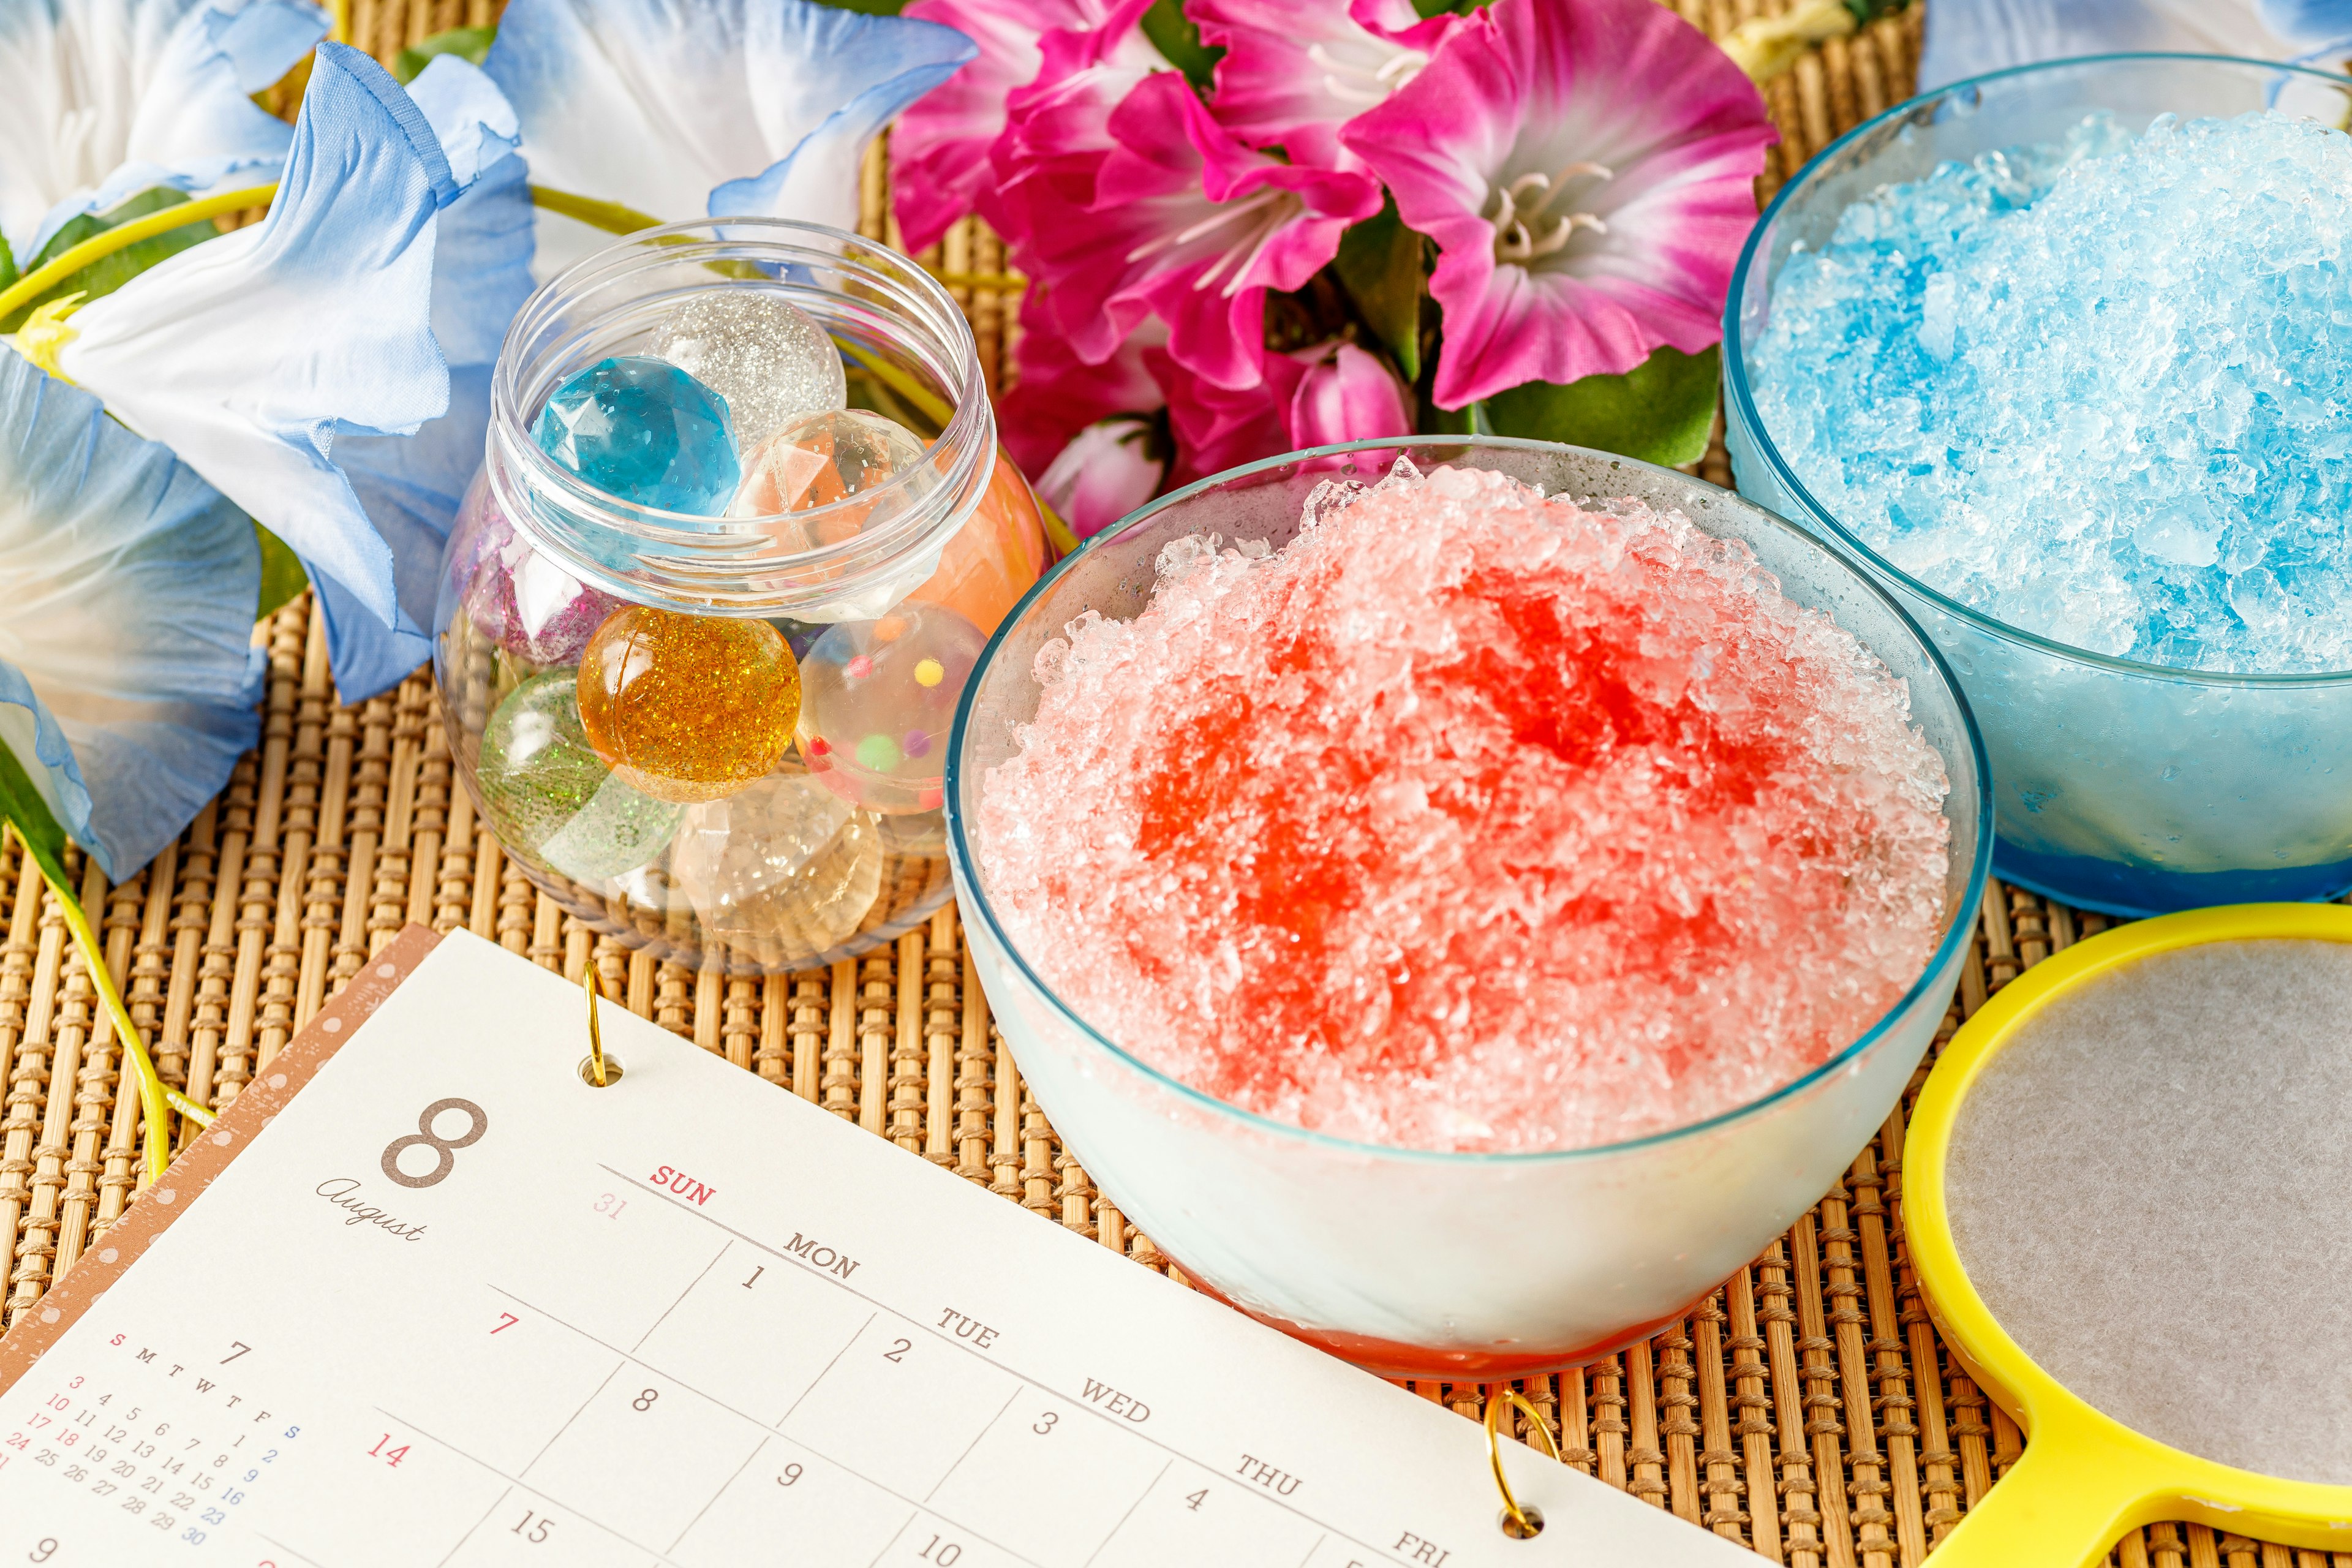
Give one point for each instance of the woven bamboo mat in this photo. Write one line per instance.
(1805, 1410)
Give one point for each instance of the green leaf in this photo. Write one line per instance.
(1380, 265)
(1659, 412)
(8, 273)
(1469, 421)
(108, 273)
(469, 44)
(1179, 42)
(282, 576)
(21, 806)
(869, 7)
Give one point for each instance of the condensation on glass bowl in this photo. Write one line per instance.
(1415, 1262)
(2120, 786)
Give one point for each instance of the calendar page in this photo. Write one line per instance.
(456, 1306)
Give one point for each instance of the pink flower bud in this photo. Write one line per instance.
(1350, 395)
(1107, 471)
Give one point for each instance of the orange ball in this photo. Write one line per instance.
(688, 708)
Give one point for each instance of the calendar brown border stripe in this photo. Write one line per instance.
(209, 1154)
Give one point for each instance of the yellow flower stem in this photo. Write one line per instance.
(1008, 282)
(105, 243)
(186, 1107)
(610, 216)
(153, 1098)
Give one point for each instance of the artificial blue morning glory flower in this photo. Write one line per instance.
(1969, 37)
(2320, 28)
(411, 486)
(106, 98)
(127, 674)
(256, 355)
(686, 109)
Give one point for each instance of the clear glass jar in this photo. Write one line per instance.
(723, 738)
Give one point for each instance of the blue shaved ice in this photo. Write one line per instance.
(2100, 389)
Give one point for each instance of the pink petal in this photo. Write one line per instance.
(1058, 394)
(1272, 88)
(1530, 86)
(1107, 471)
(939, 151)
(1254, 223)
(1347, 395)
(1060, 123)
(1218, 428)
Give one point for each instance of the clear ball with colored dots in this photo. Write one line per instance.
(878, 699)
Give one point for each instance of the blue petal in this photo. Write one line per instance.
(481, 254)
(1969, 37)
(410, 485)
(253, 355)
(2309, 21)
(817, 180)
(656, 103)
(169, 107)
(128, 676)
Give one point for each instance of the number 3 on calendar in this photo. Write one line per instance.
(445, 1150)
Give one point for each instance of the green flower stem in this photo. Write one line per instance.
(154, 1100)
(97, 247)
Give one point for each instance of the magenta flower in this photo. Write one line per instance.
(1585, 167)
(1057, 394)
(1345, 395)
(1058, 129)
(1293, 74)
(1219, 427)
(1106, 472)
(1190, 224)
(938, 153)
(1316, 398)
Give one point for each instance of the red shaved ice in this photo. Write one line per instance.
(1472, 819)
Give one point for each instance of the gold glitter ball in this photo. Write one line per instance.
(765, 355)
(688, 708)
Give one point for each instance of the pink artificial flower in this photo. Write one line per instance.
(1058, 129)
(1586, 169)
(1189, 224)
(1057, 394)
(1345, 395)
(1219, 427)
(938, 153)
(1294, 73)
(1318, 396)
(1106, 472)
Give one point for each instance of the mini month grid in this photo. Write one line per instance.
(458, 1307)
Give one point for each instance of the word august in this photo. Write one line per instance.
(343, 1192)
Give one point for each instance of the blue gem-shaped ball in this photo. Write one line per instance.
(645, 431)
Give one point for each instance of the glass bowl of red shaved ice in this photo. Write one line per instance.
(1462, 897)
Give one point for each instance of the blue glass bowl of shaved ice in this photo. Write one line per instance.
(2063, 357)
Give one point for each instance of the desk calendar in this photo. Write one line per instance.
(451, 1304)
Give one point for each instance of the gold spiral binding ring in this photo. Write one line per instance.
(596, 1069)
(1519, 1524)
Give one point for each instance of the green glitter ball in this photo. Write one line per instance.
(552, 799)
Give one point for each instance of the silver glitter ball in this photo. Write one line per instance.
(765, 355)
